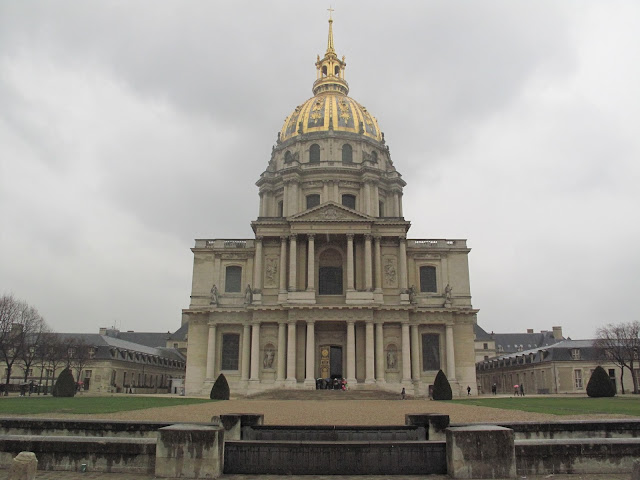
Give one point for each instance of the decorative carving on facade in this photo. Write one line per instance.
(248, 295)
(269, 356)
(390, 271)
(214, 295)
(271, 272)
(447, 295)
(331, 213)
(392, 357)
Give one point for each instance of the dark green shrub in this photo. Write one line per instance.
(599, 384)
(441, 387)
(65, 384)
(220, 389)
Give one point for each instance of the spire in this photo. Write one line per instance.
(330, 69)
(330, 48)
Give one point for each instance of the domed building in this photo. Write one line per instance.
(330, 287)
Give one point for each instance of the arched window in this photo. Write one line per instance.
(233, 279)
(381, 209)
(288, 157)
(314, 153)
(280, 209)
(374, 157)
(330, 273)
(324, 71)
(347, 153)
(313, 200)
(349, 201)
(337, 71)
(428, 279)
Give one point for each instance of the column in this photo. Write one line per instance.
(367, 198)
(310, 378)
(325, 191)
(396, 205)
(311, 267)
(291, 353)
(402, 260)
(292, 263)
(376, 200)
(211, 352)
(283, 264)
(406, 355)
(380, 353)
(255, 352)
(285, 200)
(400, 204)
(451, 359)
(415, 349)
(378, 262)
(261, 210)
(369, 354)
(217, 260)
(246, 352)
(368, 268)
(257, 265)
(282, 352)
(350, 276)
(351, 352)
(336, 192)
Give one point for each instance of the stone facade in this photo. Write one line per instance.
(330, 286)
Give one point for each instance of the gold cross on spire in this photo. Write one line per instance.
(330, 10)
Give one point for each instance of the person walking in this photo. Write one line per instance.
(494, 388)
(468, 390)
(521, 390)
(403, 394)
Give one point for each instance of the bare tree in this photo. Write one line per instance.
(51, 354)
(19, 322)
(80, 354)
(620, 343)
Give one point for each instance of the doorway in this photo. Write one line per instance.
(331, 361)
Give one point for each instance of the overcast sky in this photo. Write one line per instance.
(130, 128)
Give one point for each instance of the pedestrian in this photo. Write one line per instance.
(516, 390)
(403, 394)
(522, 390)
(494, 388)
(468, 390)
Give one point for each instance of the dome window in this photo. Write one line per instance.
(337, 71)
(349, 201)
(314, 153)
(324, 71)
(288, 157)
(347, 153)
(313, 201)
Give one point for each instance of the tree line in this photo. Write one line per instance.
(28, 343)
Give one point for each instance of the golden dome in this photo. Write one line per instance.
(330, 108)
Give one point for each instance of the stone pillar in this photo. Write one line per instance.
(217, 261)
(285, 200)
(310, 378)
(282, 351)
(380, 353)
(368, 267)
(293, 254)
(190, 451)
(402, 261)
(261, 210)
(23, 467)
(406, 354)
(283, 264)
(378, 262)
(376, 200)
(350, 272)
(396, 205)
(291, 354)
(257, 265)
(311, 266)
(255, 352)
(351, 352)
(336, 192)
(211, 352)
(480, 451)
(246, 352)
(294, 205)
(415, 349)
(451, 358)
(369, 354)
(325, 191)
(400, 204)
(367, 198)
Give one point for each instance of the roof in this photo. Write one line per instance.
(180, 335)
(97, 340)
(518, 342)
(559, 351)
(150, 339)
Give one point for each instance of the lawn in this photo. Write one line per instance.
(627, 405)
(87, 405)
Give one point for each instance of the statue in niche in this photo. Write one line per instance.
(214, 295)
(269, 355)
(412, 294)
(248, 295)
(390, 271)
(447, 294)
(391, 360)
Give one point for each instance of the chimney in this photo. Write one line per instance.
(529, 330)
(103, 331)
(557, 333)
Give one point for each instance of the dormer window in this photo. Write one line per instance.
(575, 353)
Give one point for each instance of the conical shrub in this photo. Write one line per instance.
(220, 389)
(600, 384)
(65, 384)
(441, 387)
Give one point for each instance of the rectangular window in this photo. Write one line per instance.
(233, 279)
(577, 377)
(430, 351)
(87, 373)
(485, 346)
(575, 353)
(313, 201)
(230, 351)
(428, 279)
(349, 201)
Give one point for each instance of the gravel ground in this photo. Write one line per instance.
(332, 412)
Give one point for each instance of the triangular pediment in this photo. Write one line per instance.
(330, 212)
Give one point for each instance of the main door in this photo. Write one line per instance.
(331, 361)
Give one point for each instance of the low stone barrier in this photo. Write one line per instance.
(572, 429)
(79, 428)
(339, 433)
(335, 458)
